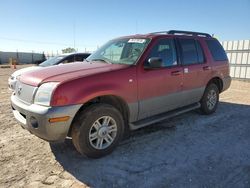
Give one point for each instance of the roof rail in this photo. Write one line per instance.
(160, 32)
(183, 33)
(188, 33)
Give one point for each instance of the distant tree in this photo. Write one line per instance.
(68, 50)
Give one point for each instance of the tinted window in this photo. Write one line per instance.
(188, 51)
(216, 50)
(165, 49)
(84, 56)
(68, 59)
(79, 58)
(200, 53)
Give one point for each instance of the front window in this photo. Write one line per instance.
(165, 50)
(120, 51)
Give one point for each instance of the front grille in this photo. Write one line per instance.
(24, 92)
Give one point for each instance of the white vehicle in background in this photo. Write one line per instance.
(60, 59)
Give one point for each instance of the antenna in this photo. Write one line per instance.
(74, 30)
(136, 27)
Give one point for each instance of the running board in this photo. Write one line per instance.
(161, 117)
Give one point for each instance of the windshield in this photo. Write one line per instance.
(120, 51)
(51, 61)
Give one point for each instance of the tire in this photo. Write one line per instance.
(97, 130)
(210, 99)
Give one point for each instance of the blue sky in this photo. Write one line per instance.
(51, 25)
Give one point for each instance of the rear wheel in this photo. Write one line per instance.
(97, 130)
(210, 99)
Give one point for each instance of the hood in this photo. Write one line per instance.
(67, 72)
(25, 70)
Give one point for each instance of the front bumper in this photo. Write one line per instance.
(35, 118)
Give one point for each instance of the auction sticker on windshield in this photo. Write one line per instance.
(137, 41)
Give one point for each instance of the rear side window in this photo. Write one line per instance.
(216, 50)
(68, 59)
(191, 52)
(200, 53)
(79, 58)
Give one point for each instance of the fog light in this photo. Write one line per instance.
(33, 122)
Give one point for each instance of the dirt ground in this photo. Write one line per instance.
(190, 150)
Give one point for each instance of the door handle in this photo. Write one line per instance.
(206, 68)
(175, 73)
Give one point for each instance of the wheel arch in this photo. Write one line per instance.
(115, 101)
(218, 82)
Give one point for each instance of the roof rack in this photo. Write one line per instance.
(183, 33)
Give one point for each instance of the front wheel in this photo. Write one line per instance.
(97, 130)
(210, 99)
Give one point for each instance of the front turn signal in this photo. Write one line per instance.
(59, 119)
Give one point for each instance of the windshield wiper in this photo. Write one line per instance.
(103, 60)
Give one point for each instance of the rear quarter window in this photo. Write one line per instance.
(217, 51)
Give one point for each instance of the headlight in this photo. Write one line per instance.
(43, 94)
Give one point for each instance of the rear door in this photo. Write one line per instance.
(196, 69)
(159, 89)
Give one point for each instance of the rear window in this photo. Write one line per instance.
(191, 52)
(216, 50)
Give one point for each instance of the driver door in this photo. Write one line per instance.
(159, 90)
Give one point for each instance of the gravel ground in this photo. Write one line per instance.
(190, 150)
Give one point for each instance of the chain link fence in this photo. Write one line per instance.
(22, 57)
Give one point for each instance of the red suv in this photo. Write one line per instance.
(128, 83)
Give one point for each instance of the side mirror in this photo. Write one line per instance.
(154, 63)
